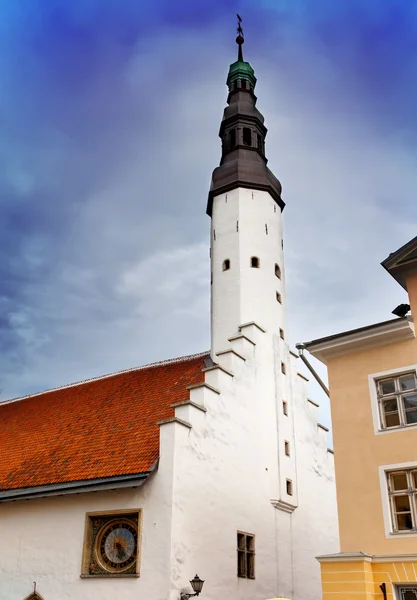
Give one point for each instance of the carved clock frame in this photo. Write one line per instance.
(91, 533)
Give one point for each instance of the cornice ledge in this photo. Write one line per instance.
(175, 420)
(242, 336)
(203, 385)
(363, 556)
(380, 334)
(284, 506)
(250, 324)
(230, 351)
(217, 366)
(345, 557)
(189, 403)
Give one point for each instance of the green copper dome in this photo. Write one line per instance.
(241, 70)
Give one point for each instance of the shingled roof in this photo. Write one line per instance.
(100, 428)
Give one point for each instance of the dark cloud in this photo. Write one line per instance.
(111, 115)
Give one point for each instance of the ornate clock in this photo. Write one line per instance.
(116, 545)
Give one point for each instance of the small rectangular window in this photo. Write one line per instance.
(245, 555)
(281, 334)
(289, 487)
(285, 408)
(287, 448)
(397, 399)
(279, 299)
(283, 369)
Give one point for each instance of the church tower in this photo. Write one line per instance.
(245, 206)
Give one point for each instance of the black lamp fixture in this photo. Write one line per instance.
(197, 585)
(401, 310)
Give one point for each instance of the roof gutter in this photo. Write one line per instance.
(300, 348)
(77, 487)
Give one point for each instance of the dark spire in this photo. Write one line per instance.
(242, 131)
(240, 40)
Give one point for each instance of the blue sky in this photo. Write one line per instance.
(110, 114)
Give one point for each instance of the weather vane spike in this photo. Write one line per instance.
(240, 39)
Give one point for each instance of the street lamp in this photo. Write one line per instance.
(197, 585)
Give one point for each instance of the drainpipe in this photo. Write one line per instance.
(300, 348)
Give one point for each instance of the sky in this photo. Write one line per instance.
(110, 114)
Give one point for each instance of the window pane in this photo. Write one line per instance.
(241, 564)
(390, 405)
(392, 418)
(387, 386)
(407, 382)
(241, 541)
(399, 481)
(250, 543)
(250, 566)
(404, 521)
(414, 479)
(402, 504)
(410, 401)
(411, 416)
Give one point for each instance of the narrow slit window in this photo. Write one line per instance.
(245, 555)
(226, 264)
(232, 138)
(289, 487)
(247, 136)
(277, 271)
(281, 334)
(279, 299)
(243, 84)
(285, 408)
(283, 369)
(259, 142)
(254, 262)
(287, 448)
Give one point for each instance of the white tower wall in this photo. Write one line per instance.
(245, 223)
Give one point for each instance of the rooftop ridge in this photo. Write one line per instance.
(108, 375)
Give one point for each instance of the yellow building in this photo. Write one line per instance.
(373, 391)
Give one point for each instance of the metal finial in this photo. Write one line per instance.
(240, 39)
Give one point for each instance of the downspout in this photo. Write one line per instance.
(300, 348)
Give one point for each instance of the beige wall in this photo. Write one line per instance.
(359, 451)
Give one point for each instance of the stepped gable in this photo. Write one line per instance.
(99, 428)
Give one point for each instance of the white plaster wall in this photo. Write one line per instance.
(42, 540)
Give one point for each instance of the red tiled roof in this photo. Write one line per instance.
(99, 428)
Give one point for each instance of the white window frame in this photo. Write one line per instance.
(372, 381)
(386, 501)
(409, 586)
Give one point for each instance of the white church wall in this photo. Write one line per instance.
(42, 541)
(228, 469)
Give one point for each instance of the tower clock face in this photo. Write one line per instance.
(116, 545)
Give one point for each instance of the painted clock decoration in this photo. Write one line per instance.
(114, 545)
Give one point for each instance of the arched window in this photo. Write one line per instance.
(226, 264)
(277, 271)
(232, 138)
(247, 136)
(254, 262)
